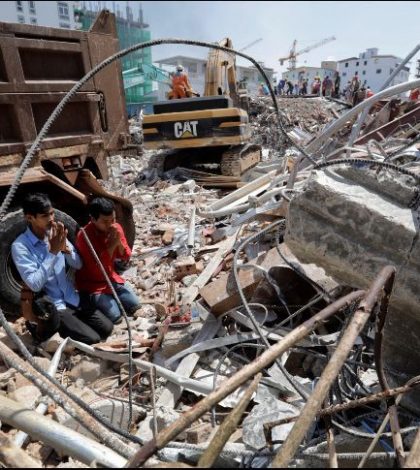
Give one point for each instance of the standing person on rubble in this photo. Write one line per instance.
(337, 82)
(50, 303)
(369, 92)
(305, 87)
(328, 86)
(109, 242)
(181, 86)
(289, 88)
(280, 86)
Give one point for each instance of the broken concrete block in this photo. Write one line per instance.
(188, 280)
(168, 237)
(165, 417)
(353, 223)
(51, 345)
(184, 267)
(199, 433)
(271, 410)
(43, 362)
(28, 395)
(222, 295)
(161, 229)
(89, 369)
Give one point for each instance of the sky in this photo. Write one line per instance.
(357, 25)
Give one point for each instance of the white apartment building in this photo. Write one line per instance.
(54, 14)
(299, 73)
(196, 69)
(373, 69)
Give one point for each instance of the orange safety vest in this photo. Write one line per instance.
(414, 95)
(180, 85)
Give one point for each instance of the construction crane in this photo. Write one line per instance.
(293, 54)
(250, 44)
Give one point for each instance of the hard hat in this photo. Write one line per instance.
(179, 68)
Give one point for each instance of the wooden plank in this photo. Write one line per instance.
(173, 392)
(192, 292)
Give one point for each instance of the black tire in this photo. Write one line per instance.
(10, 228)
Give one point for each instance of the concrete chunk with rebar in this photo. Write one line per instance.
(353, 221)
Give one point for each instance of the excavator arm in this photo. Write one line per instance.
(221, 73)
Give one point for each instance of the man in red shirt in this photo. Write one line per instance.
(108, 239)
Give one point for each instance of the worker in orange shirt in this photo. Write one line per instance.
(181, 86)
(369, 92)
(414, 94)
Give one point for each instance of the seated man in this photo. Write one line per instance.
(109, 242)
(40, 255)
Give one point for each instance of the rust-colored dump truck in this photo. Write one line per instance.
(38, 65)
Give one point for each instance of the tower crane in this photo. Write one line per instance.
(293, 54)
(250, 44)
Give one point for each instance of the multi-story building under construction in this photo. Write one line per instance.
(139, 92)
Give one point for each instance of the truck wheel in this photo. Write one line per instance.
(12, 226)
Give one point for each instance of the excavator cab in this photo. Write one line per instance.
(210, 129)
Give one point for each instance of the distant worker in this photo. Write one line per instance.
(414, 94)
(316, 86)
(304, 89)
(369, 92)
(280, 86)
(263, 90)
(181, 86)
(337, 82)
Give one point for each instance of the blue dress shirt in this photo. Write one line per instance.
(42, 270)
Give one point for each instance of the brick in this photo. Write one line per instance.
(184, 267)
(199, 433)
(168, 236)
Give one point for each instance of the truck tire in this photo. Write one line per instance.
(12, 226)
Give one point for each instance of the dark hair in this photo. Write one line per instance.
(37, 203)
(101, 206)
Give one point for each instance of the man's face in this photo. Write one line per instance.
(41, 222)
(104, 222)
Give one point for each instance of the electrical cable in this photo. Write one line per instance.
(124, 314)
(300, 390)
(219, 365)
(361, 161)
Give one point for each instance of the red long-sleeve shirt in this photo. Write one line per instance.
(90, 278)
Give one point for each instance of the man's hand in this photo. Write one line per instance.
(58, 238)
(114, 240)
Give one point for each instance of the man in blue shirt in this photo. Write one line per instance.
(40, 255)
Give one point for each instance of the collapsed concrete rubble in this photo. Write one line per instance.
(264, 338)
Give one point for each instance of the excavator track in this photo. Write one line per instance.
(239, 159)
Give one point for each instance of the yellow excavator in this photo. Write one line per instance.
(211, 129)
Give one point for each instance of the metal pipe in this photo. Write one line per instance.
(315, 145)
(239, 193)
(14, 457)
(72, 408)
(334, 409)
(358, 124)
(379, 362)
(57, 436)
(227, 428)
(231, 384)
(191, 230)
(21, 436)
(413, 460)
(312, 406)
(188, 384)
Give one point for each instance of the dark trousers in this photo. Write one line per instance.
(88, 326)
